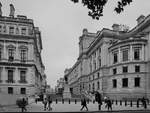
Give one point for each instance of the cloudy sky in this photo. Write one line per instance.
(61, 23)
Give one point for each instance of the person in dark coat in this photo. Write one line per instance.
(84, 104)
(45, 103)
(23, 105)
(98, 100)
(109, 104)
(49, 103)
(144, 102)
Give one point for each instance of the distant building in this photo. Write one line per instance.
(60, 86)
(21, 66)
(114, 62)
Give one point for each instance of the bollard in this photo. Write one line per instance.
(121, 102)
(75, 101)
(69, 101)
(112, 101)
(137, 104)
(62, 101)
(125, 102)
(88, 101)
(131, 103)
(93, 101)
(116, 102)
(56, 101)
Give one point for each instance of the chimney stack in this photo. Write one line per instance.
(116, 27)
(140, 19)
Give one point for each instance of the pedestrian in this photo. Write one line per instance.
(45, 103)
(23, 105)
(105, 100)
(144, 102)
(83, 104)
(109, 104)
(98, 100)
(49, 103)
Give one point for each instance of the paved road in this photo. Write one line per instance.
(72, 107)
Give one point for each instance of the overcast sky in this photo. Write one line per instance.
(61, 23)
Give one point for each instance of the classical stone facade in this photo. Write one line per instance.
(114, 62)
(21, 66)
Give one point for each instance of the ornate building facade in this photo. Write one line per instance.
(114, 62)
(21, 66)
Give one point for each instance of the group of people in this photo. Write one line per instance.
(98, 99)
(47, 103)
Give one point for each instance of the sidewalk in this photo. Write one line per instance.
(72, 107)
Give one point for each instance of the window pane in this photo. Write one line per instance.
(10, 75)
(137, 82)
(115, 57)
(137, 68)
(125, 55)
(136, 54)
(114, 71)
(114, 83)
(125, 69)
(23, 91)
(125, 82)
(10, 90)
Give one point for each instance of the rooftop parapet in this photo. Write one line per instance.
(19, 18)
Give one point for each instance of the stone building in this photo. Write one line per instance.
(21, 66)
(115, 62)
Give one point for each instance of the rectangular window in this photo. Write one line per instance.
(11, 54)
(114, 81)
(23, 31)
(98, 85)
(99, 62)
(11, 30)
(125, 82)
(125, 55)
(23, 91)
(93, 87)
(98, 75)
(95, 65)
(89, 87)
(0, 53)
(114, 71)
(22, 76)
(10, 76)
(137, 68)
(10, 90)
(125, 69)
(137, 54)
(0, 74)
(0, 28)
(137, 82)
(23, 55)
(115, 58)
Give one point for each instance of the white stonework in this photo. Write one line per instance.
(21, 66)
(118, 60)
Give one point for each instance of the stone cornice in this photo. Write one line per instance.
(128, 41)
(17, 20)
(121, 35)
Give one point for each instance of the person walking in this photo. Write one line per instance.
(49, 103)
(23, 105)
(144, 102)
(109, 104)
(98, 100)
(84, 104)
(45, 103)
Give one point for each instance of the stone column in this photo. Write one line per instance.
(4, 51)
(131, 53)
(119, 55)
(17, 52)
(142, 54)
